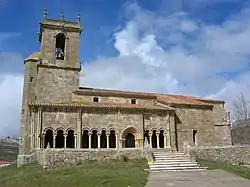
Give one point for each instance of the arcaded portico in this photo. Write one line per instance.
(94, 138)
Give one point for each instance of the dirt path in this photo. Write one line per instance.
(209, 178)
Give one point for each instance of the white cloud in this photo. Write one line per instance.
(176, 54)
(10, 99)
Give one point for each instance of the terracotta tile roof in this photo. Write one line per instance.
(179, 99)
(104, 105)
(168, 99)
(6, 162)
(208, 100)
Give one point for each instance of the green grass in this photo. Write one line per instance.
(91, 174)
(237, 170)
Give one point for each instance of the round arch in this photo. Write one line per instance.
(59, 128)
(131, 130)
(85, 129)
(49, 128)
(60, 33)
(130, 137)
(94, 129)
(153, 129)
(70, 128)
(102, 129)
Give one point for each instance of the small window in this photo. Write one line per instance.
(96, 99)
(195, 136)
(31, 79)
(133, 101)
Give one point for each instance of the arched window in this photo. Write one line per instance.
(60, 46)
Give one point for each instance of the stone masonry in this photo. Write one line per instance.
(56, 112)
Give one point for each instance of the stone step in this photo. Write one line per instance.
(169, 153)
(177, 169)
(172, 165)
(183, 162)
(171, 160)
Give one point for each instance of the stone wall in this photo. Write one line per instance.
(56, 85)
(224, 154)
(59, 119)
(111, 99)
(189, 119)
(54, 158)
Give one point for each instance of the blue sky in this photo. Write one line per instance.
(193, 47)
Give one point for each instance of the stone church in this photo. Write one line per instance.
(58, 113)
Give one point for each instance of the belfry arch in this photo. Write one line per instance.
(60, 46)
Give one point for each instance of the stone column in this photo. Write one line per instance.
(79, 128)
(165, 139)
(157, 139)
(107, 135)
(89, 140)
(32, 131)
(65, 140)
(54, 140)
(99, 140)
(42, 140)
(75, 140)
(150, 138)
(116, 141)
(39, 125)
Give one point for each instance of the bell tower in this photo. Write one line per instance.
(58, 72)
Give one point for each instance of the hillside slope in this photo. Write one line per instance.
(8, 151)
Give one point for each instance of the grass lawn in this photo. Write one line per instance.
(91, 174)
(237, 170)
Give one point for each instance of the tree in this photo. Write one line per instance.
(241, 111)
(241, 117)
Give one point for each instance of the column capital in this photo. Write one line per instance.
(89, 133)
(150, 133)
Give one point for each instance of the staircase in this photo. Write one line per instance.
(173, 161)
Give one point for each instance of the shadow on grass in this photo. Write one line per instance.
(89, 174)
(237, 170)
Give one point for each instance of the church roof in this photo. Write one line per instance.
(34, 56)
(104, 105)
(167, 99)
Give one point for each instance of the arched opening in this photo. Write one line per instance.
(161, 139)
(129, 135)
(85, 139)
(146, 136)
(48, 138)
(129, 140)
(154, 139)
(60, 46)
(103, 139)
(94, 139)
(112, 139)
(59, 139)
(70, 141)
